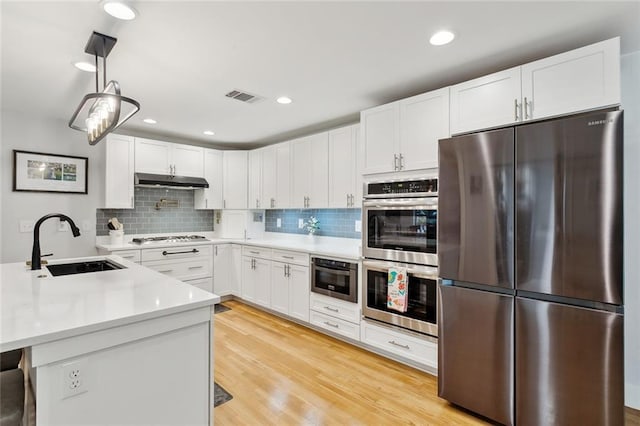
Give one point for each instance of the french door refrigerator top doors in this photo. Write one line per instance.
(552, 350)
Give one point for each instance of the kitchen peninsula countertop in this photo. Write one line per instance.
(35, 309)
(343, 248)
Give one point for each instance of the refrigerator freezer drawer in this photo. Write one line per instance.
(569, 365)
(475, 351)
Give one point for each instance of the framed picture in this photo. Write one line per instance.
(40, 172)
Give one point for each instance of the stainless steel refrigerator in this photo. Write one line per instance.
(530, 234)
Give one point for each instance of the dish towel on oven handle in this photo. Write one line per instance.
(397, 295)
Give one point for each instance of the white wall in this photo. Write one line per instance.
(630, 69)
(55, 137)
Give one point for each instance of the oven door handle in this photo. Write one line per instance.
(426, 272)
(332, 271)
(424, 203)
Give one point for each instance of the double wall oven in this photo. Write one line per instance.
(399, 233)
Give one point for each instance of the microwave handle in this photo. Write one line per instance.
(332, 271)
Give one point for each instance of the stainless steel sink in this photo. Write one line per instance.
(83, 267)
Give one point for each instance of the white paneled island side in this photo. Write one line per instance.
(139, 343)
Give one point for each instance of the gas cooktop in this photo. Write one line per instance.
(169, 239)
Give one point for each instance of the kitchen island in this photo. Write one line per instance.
(124, 346)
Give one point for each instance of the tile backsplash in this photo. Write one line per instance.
(333, 222)
(146, 219)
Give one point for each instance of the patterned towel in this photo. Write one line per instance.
(397, 289)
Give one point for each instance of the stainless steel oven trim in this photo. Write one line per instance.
(399, 320)
(429, 203)
(352, 273)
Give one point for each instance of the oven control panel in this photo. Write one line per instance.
(410, 188)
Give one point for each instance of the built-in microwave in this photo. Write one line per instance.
(400, 221)
(335, 278)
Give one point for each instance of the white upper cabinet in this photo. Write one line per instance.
(187, 160)
(343, 167)
(211, 198)
(579, 80)
(574, 81)
(283, 176)
(255, 179)
(488, 101)
(119, 172)
(235, 179)
(424, 119)
(404, 135)
(269, 177)
(164, 158)
(381, 134)
(310, 170)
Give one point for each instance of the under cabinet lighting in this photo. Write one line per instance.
(442, 37)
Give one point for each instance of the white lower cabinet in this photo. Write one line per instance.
(226, 269)
(131, 255)
(256, 275)
(420, 349)
(335, 325)
(299, 292)
(290, 284)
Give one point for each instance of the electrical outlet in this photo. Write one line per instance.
(26, 225)
(75, 378)
(278, 223)
(358, 227)
(300, 223)
(63, 226)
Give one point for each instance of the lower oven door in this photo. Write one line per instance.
(421, 300)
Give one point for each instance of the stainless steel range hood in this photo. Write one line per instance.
(168, 181)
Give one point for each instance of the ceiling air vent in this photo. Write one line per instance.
(243, 96)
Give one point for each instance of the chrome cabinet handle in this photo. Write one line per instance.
(224, 204)
(288, 257)
(215, 250)
(515, 108)
(395, 162)
(401, 158)
(206, 203)
(330, 324)
(348, 198)
(167, 253)
(254, 252)
(132, 201)
(257, 203)
(527, 114)
(166, 271)
(328, 308)
(393, 342)
(273, 203)
(196, 267)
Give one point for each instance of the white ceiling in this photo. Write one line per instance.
(179, 58)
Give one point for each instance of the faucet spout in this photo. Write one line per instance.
(35, 252)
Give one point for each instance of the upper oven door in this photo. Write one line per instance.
(402, 230)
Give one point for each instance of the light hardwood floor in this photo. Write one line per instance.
(282, 373)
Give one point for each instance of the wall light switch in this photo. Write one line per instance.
(300, 223)
(278, 223)
(26, 225)
(358, 227)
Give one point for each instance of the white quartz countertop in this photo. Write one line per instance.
(35, 309)
(343, 248)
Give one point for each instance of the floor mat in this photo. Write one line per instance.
(221, 308)
(220, 395)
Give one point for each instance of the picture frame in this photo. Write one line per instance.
(44, 172)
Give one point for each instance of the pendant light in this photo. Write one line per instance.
(100, 113)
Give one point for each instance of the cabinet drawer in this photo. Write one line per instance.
(261, 252)
(418, 349)
(180, 253)
(205, 284)
(131, 255)
(183, 270)
(335, 325)
(291, 257)
(336, 308)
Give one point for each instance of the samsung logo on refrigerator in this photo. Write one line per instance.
(599, 122)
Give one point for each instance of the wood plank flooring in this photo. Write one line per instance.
(282, 373)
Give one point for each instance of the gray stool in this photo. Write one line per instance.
(12, 400)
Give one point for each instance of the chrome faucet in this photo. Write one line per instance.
(35, 252)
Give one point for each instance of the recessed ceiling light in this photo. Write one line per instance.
(119, 9)
(209, 133)
(149, 121)
(283, 100)
(442, 37)
(85, 66)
